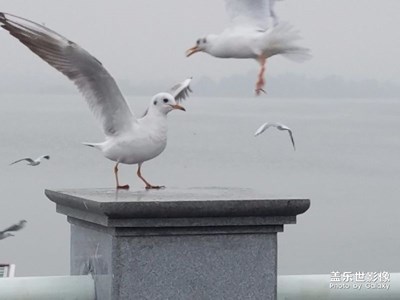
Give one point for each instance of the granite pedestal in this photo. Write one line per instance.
(196, 243)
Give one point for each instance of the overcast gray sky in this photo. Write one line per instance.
(146, 40)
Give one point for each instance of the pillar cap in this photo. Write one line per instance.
(103, 205)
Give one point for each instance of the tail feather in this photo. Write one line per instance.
(297, 54)
(281, 40)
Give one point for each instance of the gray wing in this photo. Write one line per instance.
(30, 160)
(181, 91)
(291, 137)
(281, 126)
(14, 227)
(251, 13)
(92, 79)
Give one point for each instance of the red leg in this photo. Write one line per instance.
(148, 185)
(260, 81)
(116, 179)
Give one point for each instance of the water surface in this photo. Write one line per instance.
(347, 162)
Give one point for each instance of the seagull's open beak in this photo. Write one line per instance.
(177, 106)
(191, 51)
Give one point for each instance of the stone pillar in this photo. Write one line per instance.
(196, 243)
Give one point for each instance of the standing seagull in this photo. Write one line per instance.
(279, 126)
(254, 32)
(129, 140)
(32, 162)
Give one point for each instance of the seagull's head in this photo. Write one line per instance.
(164, 103)
(202, 44)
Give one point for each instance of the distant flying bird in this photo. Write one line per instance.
(6, 232)
(254, 32)
(279, 126)
(32, 162)
(129, 140)
(21, 224)
(4, 235)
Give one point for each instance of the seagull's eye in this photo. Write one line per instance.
(165, 100)
(155, 102)
(204, 41)
(198, 41)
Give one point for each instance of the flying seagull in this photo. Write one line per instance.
(129, 140)
(15, 227)
(279, 126)
(32, 162)
(254, 32)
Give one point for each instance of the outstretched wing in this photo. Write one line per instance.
(291, 137)
(92, 79)
(181, 91)
(14, 227)
(264, 127)
(30, 160)
(251, 13)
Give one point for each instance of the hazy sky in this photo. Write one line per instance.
(146, 40)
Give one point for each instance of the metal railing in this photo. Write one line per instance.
(48, 288)
(290, 287)
(320, 287)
